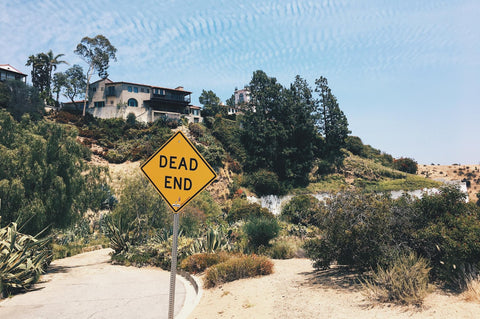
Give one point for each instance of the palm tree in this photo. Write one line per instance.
(52, 62)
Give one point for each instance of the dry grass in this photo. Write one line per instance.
(236, 268)
(472, 290)
(403, 282)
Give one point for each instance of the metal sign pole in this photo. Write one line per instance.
(173, 270)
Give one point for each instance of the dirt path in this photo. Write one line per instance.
(88, 286)
(295, 290)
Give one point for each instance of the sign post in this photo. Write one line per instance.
(179, 173)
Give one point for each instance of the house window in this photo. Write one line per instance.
(99, 104)
(147, 90)
(135, 89)
(129, 88)
(142, 90)
(94, 89)
(132, 102)
(101, 89)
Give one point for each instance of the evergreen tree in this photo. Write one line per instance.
(279, 129)
(261, 132)
(332, 123)
(211, 104)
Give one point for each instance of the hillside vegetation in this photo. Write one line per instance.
(291, 144)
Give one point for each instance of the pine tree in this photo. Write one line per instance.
(332, 123)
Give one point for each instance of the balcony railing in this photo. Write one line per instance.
(172, 97)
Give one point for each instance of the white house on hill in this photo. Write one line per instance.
(108, 99)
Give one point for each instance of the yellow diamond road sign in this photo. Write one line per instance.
(178, 171)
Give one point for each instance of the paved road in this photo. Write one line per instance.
(87, 286)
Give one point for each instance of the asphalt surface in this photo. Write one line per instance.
(88, 286)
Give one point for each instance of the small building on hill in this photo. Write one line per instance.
(108, 99)
(8, 72)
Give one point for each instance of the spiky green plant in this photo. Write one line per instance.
(213, 240)
(119, 240)
(22, 259)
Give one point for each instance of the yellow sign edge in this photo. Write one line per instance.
(176, 210)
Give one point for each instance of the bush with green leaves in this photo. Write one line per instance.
(213, 154)
(154, 253)
(140, 207)
(196, 129)
(283, 248)
(260, 230)
(303, 210)
(365, 230)
(354, 231)
(404, 280)
(208, 206)
(19, 99)
(43, 175)
(448, 232)
(228, 132)
(407, 165)
(265, 182)
(242, 210)
(122, 140)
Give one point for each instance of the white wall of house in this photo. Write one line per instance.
(105, 105)
(108, 112)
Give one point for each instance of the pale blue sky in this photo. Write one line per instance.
(406, 73)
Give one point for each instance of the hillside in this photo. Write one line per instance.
(116, 142)
(470, 174)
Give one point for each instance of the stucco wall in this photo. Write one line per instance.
(107, 112)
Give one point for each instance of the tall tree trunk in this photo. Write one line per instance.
(89, 75)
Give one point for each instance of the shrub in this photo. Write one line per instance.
(131, 120)
(261, 230)
(404, 281)
(214, 155)
(407, 165)
(196, 129)
(265, 182)
(447, 232)
(139, 202)
(303, 210)
(237, 268)
(206, 204)
(199, 262)
(242, 209)
(283, 249)
(355, 231)
(192, 220)
(43, 175)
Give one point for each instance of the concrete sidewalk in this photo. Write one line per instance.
(88, 286)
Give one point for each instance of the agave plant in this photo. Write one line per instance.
(214, 240)
(22, 259)
(119, 240)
